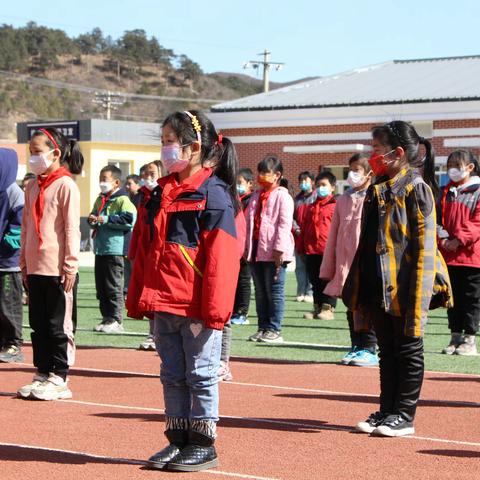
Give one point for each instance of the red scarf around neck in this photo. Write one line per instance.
(38, 207)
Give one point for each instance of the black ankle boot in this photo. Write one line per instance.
(199, 454)
(178, 439)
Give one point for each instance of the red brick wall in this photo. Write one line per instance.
(251, 153)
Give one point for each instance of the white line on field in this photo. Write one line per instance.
(127, 461)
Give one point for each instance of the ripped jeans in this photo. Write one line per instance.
(190, 355)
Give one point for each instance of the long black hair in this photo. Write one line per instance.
(69, 150)
(215, 149)
(403, 134)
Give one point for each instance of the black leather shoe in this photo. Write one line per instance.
(161, 458)
(194, 458)
(198, 455)
(178, 440)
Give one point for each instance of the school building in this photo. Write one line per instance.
(128, 145)
(320, 123)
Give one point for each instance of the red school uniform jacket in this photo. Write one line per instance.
(317, 221)
(458, 215)
(191, 261)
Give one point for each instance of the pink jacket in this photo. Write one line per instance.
(60, 226)
(342, 241)
(275, 227)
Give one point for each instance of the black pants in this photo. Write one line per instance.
(464, 317)
(313, 263)
(244, 289)
(53, 317)
(401, 364)
(109, 285)
(361, 340)
(11, 313)
(127, 273)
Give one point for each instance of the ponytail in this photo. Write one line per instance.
(429, 166)
(69, 150)
(227, 169)
(74, 158)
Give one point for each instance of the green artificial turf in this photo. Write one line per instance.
(320, 341)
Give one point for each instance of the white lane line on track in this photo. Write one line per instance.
(126, 461)
(275, 387)
(310, 426)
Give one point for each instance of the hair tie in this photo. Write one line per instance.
(219, 139)
(421, 140)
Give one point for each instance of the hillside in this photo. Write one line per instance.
(45, 75)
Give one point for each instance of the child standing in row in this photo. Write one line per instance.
(307, 196)
(11, 209)
(50, 240)
(112, 216)
(341, 246)
(189, 282)
(459, 241)
(269, 248)
(318, 218)
(397, 273)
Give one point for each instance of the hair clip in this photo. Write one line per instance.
(196, 125)
(219, 139)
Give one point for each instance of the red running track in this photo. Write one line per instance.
(279, 421)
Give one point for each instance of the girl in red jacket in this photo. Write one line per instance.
(459, 241)
(188, 278)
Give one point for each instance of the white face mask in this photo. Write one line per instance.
(105, 187)
(150, 184)
(456, 175)
(39, 164)
(355, 179)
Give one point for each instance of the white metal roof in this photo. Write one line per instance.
(397, 81)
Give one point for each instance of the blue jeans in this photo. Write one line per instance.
(303, 284)
(190, 355)
(269, 295)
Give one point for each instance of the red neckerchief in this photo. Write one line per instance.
(104, 199)
(39, 206)
(257, 220)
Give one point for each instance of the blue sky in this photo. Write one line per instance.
(313, 38)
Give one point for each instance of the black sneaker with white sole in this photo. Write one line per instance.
(394, 426)
(371, 423)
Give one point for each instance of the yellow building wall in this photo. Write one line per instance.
(98, 154)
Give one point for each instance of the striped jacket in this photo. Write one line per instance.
(414, 276)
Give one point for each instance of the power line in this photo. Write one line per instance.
(80, 88)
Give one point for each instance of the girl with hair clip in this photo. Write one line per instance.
(397, 273)
(50, 239)
(189, 281)
(459, 241)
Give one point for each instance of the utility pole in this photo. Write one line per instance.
(109, 101)
(266, 67)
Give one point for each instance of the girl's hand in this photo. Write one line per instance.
(24, 278)
(278, 258)
(68, 281)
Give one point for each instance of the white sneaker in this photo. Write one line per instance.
(148, 344)
(308, 299)
(300, 298)
(26, 390)
(99, 327)
(113, 327)
(54, 388)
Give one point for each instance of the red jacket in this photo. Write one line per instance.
(191, 257)
(317, 220)
(459, 217)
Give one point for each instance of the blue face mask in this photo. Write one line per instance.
(241, 189)
(305, 186)
(323, 191)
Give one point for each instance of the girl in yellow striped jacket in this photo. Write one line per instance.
(397, 273)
